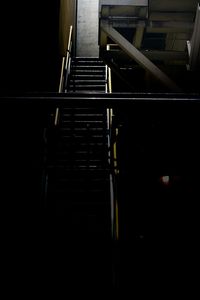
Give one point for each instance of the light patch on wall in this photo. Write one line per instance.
(87, 28)
(165, 180)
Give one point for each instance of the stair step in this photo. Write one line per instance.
(87, 60)
(78, 164)
(93, 163)
(83, 76)
(88, 63)
(94, 197)
(82, 114)
(62, 170)
(88, 69)
(89, 72)
(83, 154)
(87, 81)
(84, 171)
(81, 159)
(93, 146)
(87, 86)
(81, 129)
(83, 107)
(80, 138)
(83, 123)
(90, 91)
(88, 127)
(99, 151)
(83, 110)
(80, 167)
(83, 188)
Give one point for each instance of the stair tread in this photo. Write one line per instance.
(92, 80)
(77, 66)
(87, 91)
(84, 71)
(78, 168)
(87, 75)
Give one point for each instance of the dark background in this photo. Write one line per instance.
(29, 46)
(159, 234)
(37, 255)
(29, 63)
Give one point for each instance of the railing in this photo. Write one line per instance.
(108, 76)
(68, 59)
(66, 64)
(64, 74)
(112, 160)
(154, 105)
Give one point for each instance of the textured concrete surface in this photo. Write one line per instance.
(87, 28)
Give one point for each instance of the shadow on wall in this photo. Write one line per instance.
(67, 17)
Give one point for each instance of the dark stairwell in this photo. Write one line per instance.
(78, 178)
(63, 244)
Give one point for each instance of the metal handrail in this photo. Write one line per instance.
(66, 62)
(108, 76)
(68, 58)
(61, 75)
(112, 160)
(65, 71)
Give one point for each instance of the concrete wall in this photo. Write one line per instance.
(67, 18)
(87, 28)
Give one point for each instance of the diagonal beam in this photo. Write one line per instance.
(166, 55)
(139, 57)
(119, 73)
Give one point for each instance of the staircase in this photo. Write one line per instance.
(87, 75)
(78, 184)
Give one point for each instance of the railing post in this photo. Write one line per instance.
(65, 71)
(112, 160)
